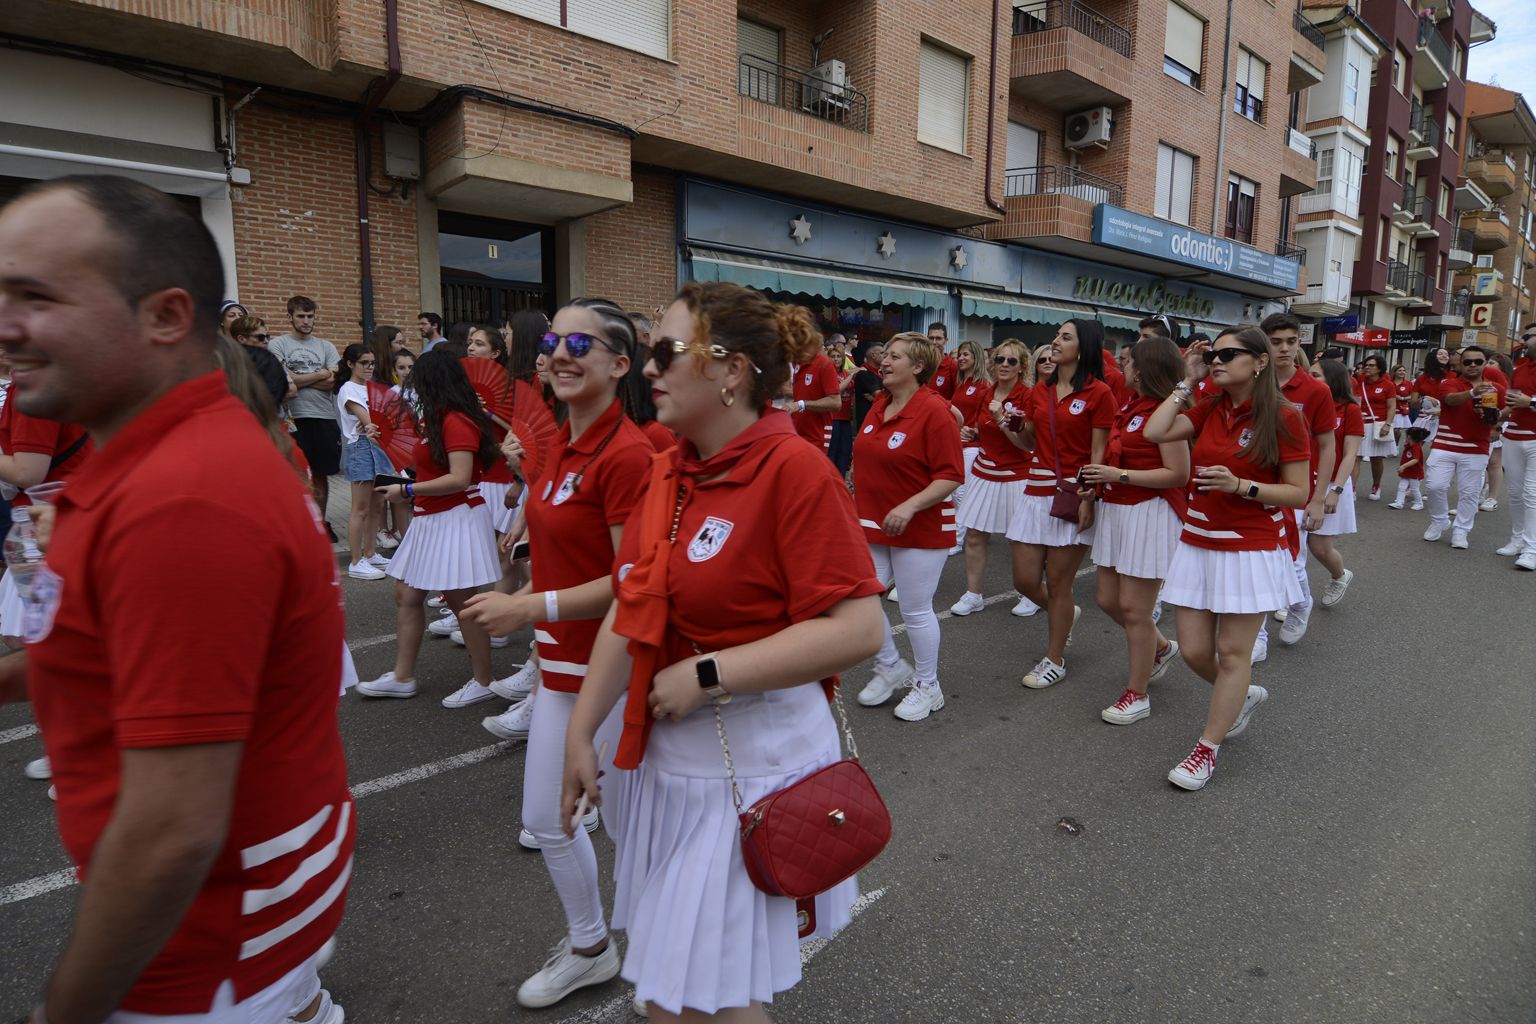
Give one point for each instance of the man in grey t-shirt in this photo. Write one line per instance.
(312, 362)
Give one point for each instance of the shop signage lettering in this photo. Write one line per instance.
(1174, 243)
(1153, 298)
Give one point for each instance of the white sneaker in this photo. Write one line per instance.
(361, 570)
(565, 972)
(1417, 507)
(1045, 673)
(1195, 770)
(497, 642)
(959, 547)
(444, 626)
(891, 596)
(378, 561)
(1375, 494)
(968, 604)
(1131, 707)
(519, 684)
(1162, 660)
(1077, 613)
(589, 822)
(1025, 608)
(1281, 614)
(885, 682)
(386, 540)
(511, 724)
(1334, 591)
(1489, 504)
(387, 686)
(1260, 650)
(1256, 695)
(1434, 533)
(1459, 540)
(40, 770)
(1394, 504)
(1512, 549)
(437, 602)
(1294, 627)
(470, 693)
(1527, 561)
(920, 702)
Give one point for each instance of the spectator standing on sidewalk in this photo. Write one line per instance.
(201, 780)
(431, 327)
(312, 362)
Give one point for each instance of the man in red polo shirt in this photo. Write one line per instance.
(815, 395)
(1520, 460)
(943, 380)
(202, 788)
(1314, 401)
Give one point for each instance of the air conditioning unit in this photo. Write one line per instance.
(1485, 263)
(1088, 128)
(827, 85)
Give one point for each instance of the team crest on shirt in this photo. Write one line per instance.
(706, 544)
(41, 604)
(808, 378)
(896, 440)
(1135, 424)
(938, 381)
(971, 390)
(567, 488)
(1244, 437)
(1077, 407)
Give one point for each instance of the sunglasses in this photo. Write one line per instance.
(1474, 362)
(1226, 355)
(1005, 360)
(664, 350)
(578, 345)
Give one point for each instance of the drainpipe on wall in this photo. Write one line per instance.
(991, 110)
(1221, 123)
(378, 89)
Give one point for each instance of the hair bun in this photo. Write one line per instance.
(798, 336)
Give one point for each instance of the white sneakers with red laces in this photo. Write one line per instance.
(1195, 770)
(1131, 707)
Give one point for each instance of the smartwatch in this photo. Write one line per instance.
(1335, 488)
(1253, 490)
(708, 670)
(1125, 476)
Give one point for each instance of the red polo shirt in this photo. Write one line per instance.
(1222, 521)
(1350, 424)
(895, 458)
(22, 433)
(1413, 452)
(971, 398)
(1462, 429)
(1078, 415)
(810, 381)
(1374, 395)
(584, 487)
(1000, 459)
(251, 656)
(1522, 422)
(1427, 387)
(1311, 397)
(459, 435)
(943, 380)
(1130, 449)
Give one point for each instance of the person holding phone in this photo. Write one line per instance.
(1067, 419)
(907, 463)
(575, 511)
(450, 547)
(1233, 564)
(1469, 407)
(361, 461)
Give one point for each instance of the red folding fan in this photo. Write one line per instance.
(396, 421)
(515, 406)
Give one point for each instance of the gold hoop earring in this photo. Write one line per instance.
(727, 397)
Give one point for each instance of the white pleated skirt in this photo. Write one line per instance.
(1231, 582)
(495, 495)
(452, 550)
(1341, 522)
(348, 669)
(1032, 523)
(1401, 421)
(10, 606)
(701, 935)
(988, 505)
(1373, 447)
(1136, 540)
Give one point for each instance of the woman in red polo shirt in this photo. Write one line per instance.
(995, 481)
(576, 508)
(970, 401)
(907, 463)
(1143, 487)
(728, 605)
(1339, 505)
(1067, 418)
(1233, 563)
(1426, 390)
(450, 545)
(1378, 406)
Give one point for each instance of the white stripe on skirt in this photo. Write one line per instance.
(452, 550)
(1231, 582)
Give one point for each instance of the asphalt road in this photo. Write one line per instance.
(1366, 852)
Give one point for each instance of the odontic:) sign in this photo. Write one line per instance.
(1148, 236)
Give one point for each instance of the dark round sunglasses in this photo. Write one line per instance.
(1225, 355)
(577, 344)
(1005, 360)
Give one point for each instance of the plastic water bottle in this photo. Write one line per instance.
(22, 555)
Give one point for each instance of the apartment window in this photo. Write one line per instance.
(1248, 90)
(1445, 200)
(1242, 205)
(1394, 147)
(1350, 167)
(1400, 71)
(1175, 184)
(1352, 92)
(1324, 171)
(1452, 128)
(1030, 16)
(759, 51)
(643, 25)
(1023, 173)
(1183, 45)
(1459, 59)
(943, 79)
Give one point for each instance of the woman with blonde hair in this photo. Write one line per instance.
(743, 581)
(969, 401)
(1232, 565)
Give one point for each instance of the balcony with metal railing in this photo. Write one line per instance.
(1048, 179)
(1298, 164)
(1070, 56)
(1432, 61)
(1308, 31)
(1494, 170)
(1423, 133)
(1050, 200)
(1415, 212)
(1462, 245)
(1290, 250)
(792, 89)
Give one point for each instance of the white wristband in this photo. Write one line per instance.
(551, 606)
(800, 405)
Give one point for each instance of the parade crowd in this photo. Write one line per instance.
(698, 515)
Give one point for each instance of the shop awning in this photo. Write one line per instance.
(829, 282)
(999, 306)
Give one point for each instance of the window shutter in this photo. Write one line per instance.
(757, 75)
(1165, 158)
(1023, 146)
(1183, 190)
(1255, 80)
(941, 98)
(1185, 38)
(643, 25)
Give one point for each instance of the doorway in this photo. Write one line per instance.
(493, 268)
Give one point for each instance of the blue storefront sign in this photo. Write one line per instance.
(1160, 239)
(1340, 324)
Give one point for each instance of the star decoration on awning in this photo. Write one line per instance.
(957, 257)
(886, 245)
(800, 230)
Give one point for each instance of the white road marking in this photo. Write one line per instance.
(21, 732)
(372, 641)
(39, 886)
(619, 1008)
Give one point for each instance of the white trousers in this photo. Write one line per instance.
(1466, 470)
(275, 1004)
(1299, 567)
(1520, 487)
(1409, 488)
(916, 572)
(572, 863)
